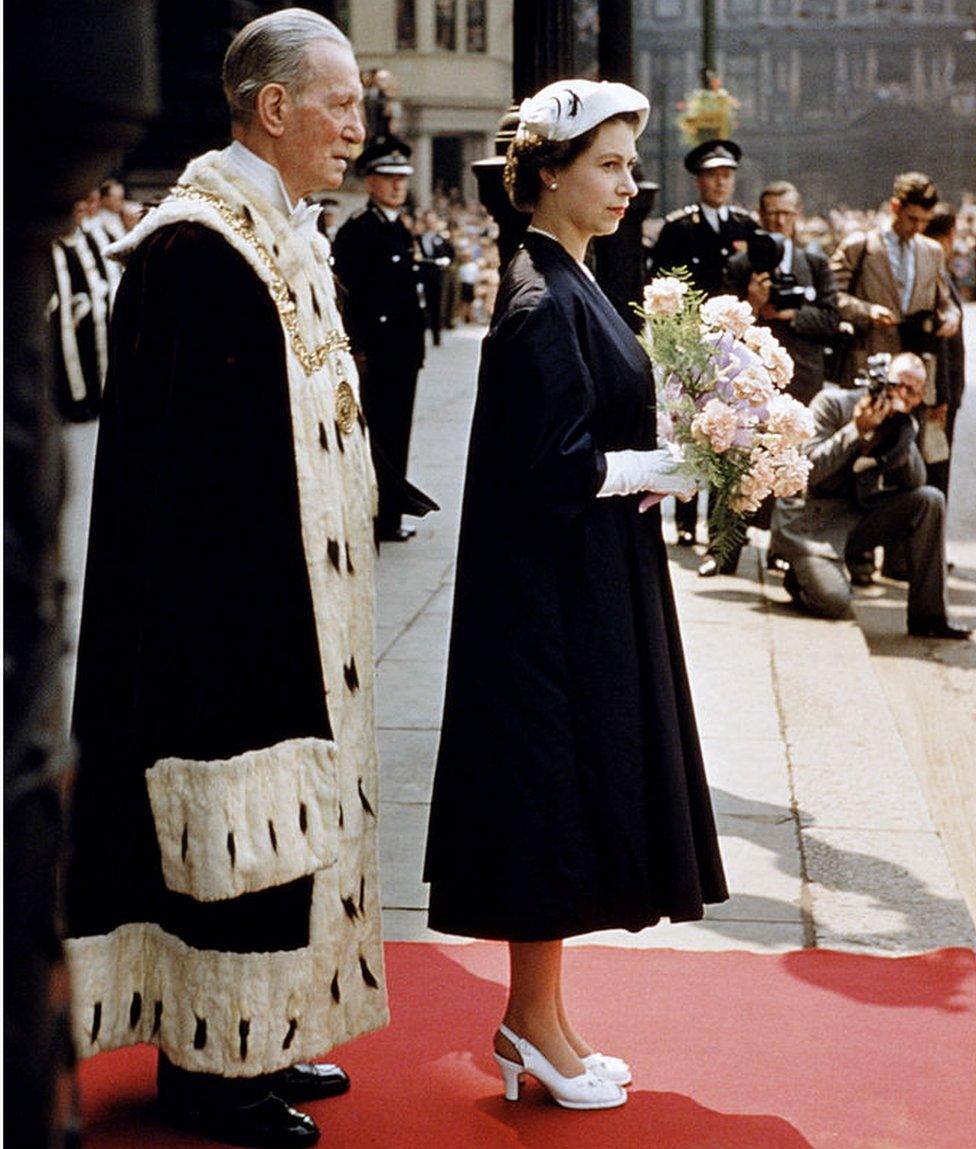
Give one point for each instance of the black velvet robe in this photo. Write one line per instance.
(197, 637)
(569, 794)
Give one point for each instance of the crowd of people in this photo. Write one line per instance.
(252, 458)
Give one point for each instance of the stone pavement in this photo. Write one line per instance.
(826, 835)
(827, 838)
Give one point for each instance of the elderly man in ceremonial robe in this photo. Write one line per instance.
(222, 892)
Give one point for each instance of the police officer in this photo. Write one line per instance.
(701, 237)
(383, 310)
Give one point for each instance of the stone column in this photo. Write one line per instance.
(422, 160)
(543, 33)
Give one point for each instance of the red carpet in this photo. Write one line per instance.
(730, 1050)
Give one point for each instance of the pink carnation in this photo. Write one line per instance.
(717, 424)
(774, 356)
(789, 420)
(792, 471)
(755, 485)
(780, 367)
(753, 386)
(665, 295)
(727, 312)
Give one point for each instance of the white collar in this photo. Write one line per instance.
(715, 215)
(391, 213)
(267, 178)
(549, 235)
(786, 263)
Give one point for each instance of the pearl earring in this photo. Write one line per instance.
(553, 186)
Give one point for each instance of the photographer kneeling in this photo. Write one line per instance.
(867, 489)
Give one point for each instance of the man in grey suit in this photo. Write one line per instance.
(867, 489)
(797, 300)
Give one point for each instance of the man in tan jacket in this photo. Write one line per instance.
(892, 274)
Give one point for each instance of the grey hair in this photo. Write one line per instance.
(272, 50)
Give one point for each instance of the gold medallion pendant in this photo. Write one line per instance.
(346, 408)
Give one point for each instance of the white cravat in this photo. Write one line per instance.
(303, 216)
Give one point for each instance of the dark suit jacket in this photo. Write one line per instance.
(815, 322)
(950, 374)
(688, 240)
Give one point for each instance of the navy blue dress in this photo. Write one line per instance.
(569, 793)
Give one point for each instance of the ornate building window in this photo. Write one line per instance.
(477, 31)
(406, 25)
(446, 26)
(741, 77)
(818, 10)
(818, 81)
(741, 9)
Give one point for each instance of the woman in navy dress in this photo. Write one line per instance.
(569, 794)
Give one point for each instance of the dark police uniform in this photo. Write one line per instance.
(384, 317)
(689, 240)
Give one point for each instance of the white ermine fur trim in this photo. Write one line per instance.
(237, 1015)
(261, 819)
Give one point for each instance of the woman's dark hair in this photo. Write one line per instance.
(526, 158)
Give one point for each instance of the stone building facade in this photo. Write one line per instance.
(835, 95)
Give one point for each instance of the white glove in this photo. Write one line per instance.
(629, 472)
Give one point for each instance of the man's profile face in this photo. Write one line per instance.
(323, 121)
(716, 185)
(909, 219)
(778, 213)
(113, 198)
(387, 190)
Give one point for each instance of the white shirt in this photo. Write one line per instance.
(901, 256)
(303, 217)
(716, 216)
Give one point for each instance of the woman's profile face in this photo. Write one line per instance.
(593, 192)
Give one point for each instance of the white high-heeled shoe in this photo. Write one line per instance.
(584, 1091)
(613, 1069)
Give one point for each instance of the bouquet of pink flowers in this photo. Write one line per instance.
(721, 406)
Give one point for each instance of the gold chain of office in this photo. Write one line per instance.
(311, 359)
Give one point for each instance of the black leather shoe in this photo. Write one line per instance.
(712, 567)
(686, 539)
(861, 575)
(307, 1081)
(937, 628)
(896, 574)
(267, 1124)
(400, 535)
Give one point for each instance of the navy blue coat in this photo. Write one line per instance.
(569, 793)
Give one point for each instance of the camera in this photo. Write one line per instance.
(875, 375)
(765, 251)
